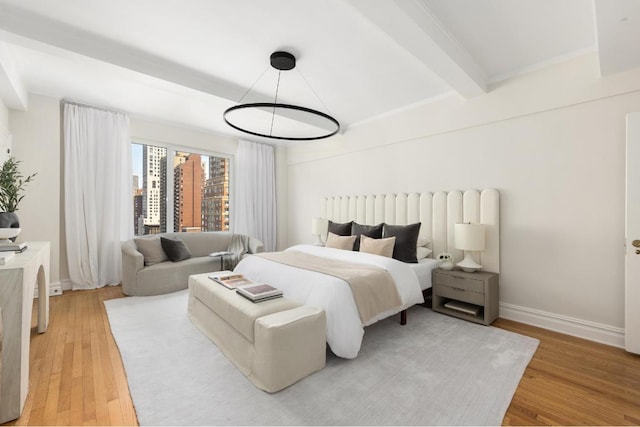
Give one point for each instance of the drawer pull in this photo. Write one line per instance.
(459, 289)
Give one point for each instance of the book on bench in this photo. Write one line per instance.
(230, 280)
(259, 292)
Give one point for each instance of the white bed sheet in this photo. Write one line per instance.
(423, 270)
(344, 328)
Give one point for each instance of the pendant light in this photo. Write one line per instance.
(278, 119)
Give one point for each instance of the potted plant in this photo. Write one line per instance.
(12, 184)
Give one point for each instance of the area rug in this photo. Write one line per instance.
(436, 370)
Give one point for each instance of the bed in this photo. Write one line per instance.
(437, 212)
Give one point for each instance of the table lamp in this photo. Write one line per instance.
(318, 228)
(469, 237)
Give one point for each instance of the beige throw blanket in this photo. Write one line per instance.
(373, 288)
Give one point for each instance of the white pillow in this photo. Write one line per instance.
(340, 242)
(382, 247)
(423, 241)
(422, 252)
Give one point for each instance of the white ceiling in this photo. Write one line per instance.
(186, 61)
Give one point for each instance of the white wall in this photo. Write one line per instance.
(37, 141)
(5, 139)
(552, 143)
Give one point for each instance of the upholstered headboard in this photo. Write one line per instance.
(438, 212)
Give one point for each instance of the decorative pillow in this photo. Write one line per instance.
(151, 249)
(340, 229)
(340, 242)
(373, 231)
(175, 249)
(382, 247)
(422, 252)
(406, 240)
(423, 241)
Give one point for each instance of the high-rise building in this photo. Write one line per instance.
(187, 184)
(138, 217)
(215, 202)
(152, 159)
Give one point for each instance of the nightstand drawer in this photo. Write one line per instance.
(460, 282)
(460, 294)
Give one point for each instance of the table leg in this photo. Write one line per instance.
(43, 305)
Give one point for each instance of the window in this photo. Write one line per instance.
(180, 191)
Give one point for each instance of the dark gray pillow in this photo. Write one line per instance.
(373, 231)
(406, 240)
(340, 229)
(175, 249)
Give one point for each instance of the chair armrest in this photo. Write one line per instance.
(132, 262)
(255, 246)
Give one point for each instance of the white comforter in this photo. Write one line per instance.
(344, 328)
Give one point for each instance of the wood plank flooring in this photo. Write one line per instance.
(77, 377)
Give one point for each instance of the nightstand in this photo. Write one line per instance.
(469, 296)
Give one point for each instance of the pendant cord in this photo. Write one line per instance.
(252, 86)
(275, 102)
(314, 92)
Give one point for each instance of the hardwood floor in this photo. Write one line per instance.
(571, 381)
(77, 377)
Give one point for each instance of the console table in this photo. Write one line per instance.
(17, 282)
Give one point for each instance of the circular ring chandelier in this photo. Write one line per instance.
(283, 61)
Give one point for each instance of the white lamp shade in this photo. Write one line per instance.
(469, 237)
(318, 226)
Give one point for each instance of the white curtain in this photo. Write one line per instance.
(98, 194)
(253, 210)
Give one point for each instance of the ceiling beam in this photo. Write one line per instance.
(416, 29)
(50, 32)
(618, 32)
(12, 91)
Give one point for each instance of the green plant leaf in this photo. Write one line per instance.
(12, 184)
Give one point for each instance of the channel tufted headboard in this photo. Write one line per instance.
(438, 212)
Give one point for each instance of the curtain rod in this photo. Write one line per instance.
(96, 107)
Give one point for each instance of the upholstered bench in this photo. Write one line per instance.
(274, 343)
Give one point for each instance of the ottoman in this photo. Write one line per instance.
(274, 343)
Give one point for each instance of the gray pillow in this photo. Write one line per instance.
(151, 249)
(373, 231)
(175, 249)
(343, 229)
(406, 240)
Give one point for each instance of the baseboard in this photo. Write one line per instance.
(66, 285)
(55, 289)
(592, 331)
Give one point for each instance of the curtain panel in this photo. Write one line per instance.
(98, 193)
(253, 210)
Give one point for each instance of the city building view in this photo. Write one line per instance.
(200, 196)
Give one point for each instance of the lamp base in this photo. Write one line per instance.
(468, 264)
(318, 241)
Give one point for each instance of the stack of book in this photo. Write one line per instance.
(463, 307)
(7, 245)
(259, 292)
(230, 279)
(254, 292)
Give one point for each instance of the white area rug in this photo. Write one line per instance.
(435, 370)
